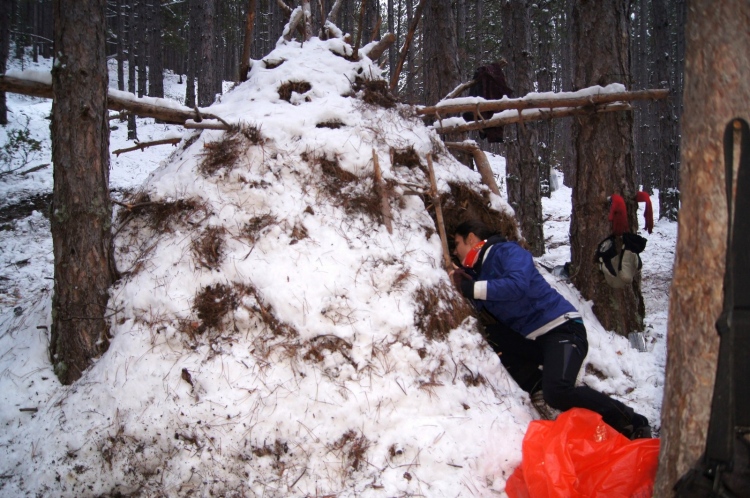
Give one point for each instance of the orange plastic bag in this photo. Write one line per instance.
(578, 455)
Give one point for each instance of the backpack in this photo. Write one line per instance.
(620, 267)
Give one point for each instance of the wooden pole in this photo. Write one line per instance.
(439, 215)
(164, 109)
(359, 29)
(536, 102)
(531, 115)
(480, 158)
(284, 7)
(385, 206)
(249, 24)
(193, 125)
(407, 42)
(377, 50)
(306, 19)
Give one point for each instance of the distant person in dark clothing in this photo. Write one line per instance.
(489, 84)
(500, 278)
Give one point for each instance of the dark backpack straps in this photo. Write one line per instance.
(741, 284)
(730, 402)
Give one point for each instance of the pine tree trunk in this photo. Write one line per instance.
(521, 140)
(82, 212)
(440, 50)
(120, 31)
(156, 51)
(544, 79)
(565, 126)
(141, 46)
(718, 44)
(209, 81)
(670, 110)
(479, 8)
(194, 43)
(604, 163)
(132, 131)
(393, 49)
(4, 49)
(248, 40)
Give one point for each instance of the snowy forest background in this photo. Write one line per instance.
(158, 35)
(144, 39)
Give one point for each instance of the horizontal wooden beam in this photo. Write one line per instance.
(529, 115)
(163, 109)
(446, 107)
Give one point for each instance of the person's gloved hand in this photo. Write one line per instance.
(463, 282)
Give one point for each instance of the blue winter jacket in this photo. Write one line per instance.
(511, 288)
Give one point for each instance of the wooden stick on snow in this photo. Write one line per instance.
(143, 145)
(439, 215)
(385, 206)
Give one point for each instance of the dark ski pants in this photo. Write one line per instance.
(560, 352)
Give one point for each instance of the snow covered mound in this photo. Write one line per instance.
(269, 336)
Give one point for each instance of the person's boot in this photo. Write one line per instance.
(546, 412)
(640, 428)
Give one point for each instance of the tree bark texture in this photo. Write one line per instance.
(521, 140)
(604, 163)
(669, 66)
(141, 46)
(82, 212)
(120, 47)
(718, 43)
(209, 82)
(542, 23)
(4, 48)
(440, 50)
(132, 125)
(565, 126)
(194, 45)
(248, 40)
(156, 50)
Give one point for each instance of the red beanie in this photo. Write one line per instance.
(618, 215)
(649, 213)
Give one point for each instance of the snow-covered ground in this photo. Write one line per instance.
(352, 400)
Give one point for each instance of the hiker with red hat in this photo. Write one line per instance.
(619, 254)
(535, 324)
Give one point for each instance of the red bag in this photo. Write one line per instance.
(578, 455)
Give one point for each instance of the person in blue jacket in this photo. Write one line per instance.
(535, 324)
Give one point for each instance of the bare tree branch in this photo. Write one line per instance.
(287, 9)
(143, 145)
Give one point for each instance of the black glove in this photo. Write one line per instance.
(463, 282)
